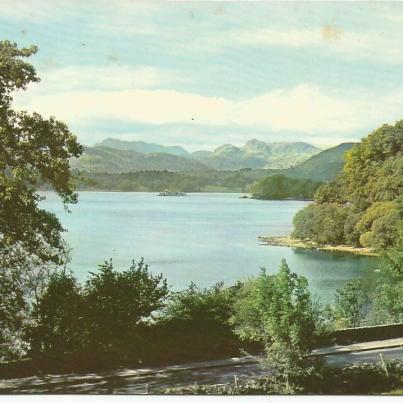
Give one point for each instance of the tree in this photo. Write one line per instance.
(322, 223)
(201, 305)
(102, 318)
(388, 296)
(366, 162)
(304, 222)
(332, 192)
(118, 302)
(59, 313)
(33, 150)
(352, 303)
(378, 225)
(278, 310)
(282, 309)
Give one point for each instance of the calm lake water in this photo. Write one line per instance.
(204, 238)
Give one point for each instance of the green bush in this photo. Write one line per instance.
(105, 317)
(117, 303)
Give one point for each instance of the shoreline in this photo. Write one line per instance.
(287, 241)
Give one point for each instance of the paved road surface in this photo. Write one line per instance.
(133, 381)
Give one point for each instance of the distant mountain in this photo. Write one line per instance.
(117, 156)
(110, 160)
(256, 154)
(323, 166)
(142, 147)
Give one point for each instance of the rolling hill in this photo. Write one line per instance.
(110, 160)
(321, 167)
(141, 147)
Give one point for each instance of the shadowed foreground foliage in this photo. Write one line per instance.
(130, 317)
(363, 379)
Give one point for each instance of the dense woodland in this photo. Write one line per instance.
(363, 206)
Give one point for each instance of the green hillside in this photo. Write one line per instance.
(117, 156)
(142, 147)
(105, 159)
(323, 166)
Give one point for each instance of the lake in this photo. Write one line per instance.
(202, 237)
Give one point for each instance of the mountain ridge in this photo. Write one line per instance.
(118, 156)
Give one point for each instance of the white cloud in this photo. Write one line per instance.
(110, 77)
(303, 109)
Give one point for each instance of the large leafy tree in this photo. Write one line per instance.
(105, 316)
(118, 302)
(60, 325)
(33, 150)
(278, 310)
(352, 303)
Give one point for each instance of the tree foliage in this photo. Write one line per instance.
(365, 200)
(278, 310)
(101, 316)
(278, 187)
(60, 317)
(388, 295)
(352, 303)
(118, 301)
(202, 305)
(324, 223)
(33, 150)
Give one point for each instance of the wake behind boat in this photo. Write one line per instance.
(167, 193)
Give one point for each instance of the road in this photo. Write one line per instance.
(134, 381)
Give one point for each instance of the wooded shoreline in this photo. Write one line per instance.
(290, 242)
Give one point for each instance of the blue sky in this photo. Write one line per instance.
(200, 74)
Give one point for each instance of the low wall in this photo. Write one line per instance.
(368, 333)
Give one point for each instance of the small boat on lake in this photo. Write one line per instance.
(167, 193)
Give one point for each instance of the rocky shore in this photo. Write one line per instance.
(298, 243)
